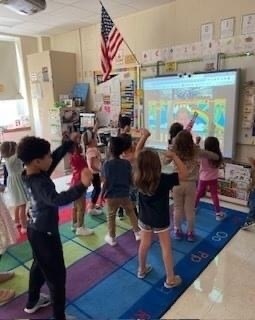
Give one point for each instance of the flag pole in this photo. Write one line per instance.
(138, 121)
(131, 51)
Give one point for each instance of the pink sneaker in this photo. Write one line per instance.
(178, 234)
(191, 237)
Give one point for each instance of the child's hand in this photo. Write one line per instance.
(65, 136)
(145, 132)
(75, 137)
(86, 177)
(170, 155)
(198, 140)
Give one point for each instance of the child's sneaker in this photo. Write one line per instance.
(143, 274)
(95, 212)
(137, 235)
(177, 281)
(111, 241)
(44, 301)
(248, 224)
(178, 234)
(84, 231)
(23, 230)
(220, 216)
(74, 227)
(191, 237)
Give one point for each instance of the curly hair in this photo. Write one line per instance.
(212, 144)
(31, 148)
(147, 172)
(184, 145)
(8, 149)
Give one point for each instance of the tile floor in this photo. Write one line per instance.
(226, 288)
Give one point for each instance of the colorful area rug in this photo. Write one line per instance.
(101, 280)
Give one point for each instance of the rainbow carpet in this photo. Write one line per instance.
(101, 280)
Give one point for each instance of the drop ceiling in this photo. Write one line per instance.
(62, 16)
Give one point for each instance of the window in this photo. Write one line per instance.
(14, 114)
(14, 111)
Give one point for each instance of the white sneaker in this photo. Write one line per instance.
(95, 212)
(137, 235)
(84, 231)
(44, 301)
(111, 241)
(74, 227)
(220, 216)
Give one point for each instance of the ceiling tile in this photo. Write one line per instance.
(9, 22)
(66, 15)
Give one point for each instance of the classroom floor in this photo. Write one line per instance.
(226, 288)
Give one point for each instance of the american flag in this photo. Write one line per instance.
(110, 42)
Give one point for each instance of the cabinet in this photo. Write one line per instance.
(51, 74)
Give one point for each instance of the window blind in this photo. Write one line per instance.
(9, 73)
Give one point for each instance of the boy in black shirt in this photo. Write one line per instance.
(42, 231)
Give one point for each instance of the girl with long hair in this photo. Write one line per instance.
(153, 215)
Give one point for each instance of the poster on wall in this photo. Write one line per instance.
(248, 24)
(227, 28)
(206, 32)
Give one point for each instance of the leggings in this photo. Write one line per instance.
(213, 185)
(96, 182)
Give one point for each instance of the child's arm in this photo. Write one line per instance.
(50, 196)
(181, 168)
(58, 154)
(140, 145)
(208, 154)
(192, 121)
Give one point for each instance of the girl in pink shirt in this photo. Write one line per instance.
(93, 158)
(208, 175)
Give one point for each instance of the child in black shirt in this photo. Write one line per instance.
(154, 187)
(42, 231)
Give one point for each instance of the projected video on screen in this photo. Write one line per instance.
(175, 99)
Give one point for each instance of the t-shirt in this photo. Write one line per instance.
(207, 172)
(78, 163)
(154, 209)
(93, 153)
(118, 176)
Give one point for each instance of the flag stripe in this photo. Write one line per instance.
(110, 43)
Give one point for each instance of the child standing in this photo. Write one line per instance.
(8, 236)
(208, 175)
(154, 187)
(43, 234)
(130, 153)
(15, 186)
(250, 220)
(93, 157)
(78, 163)
(184, 195)
(117, 179)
